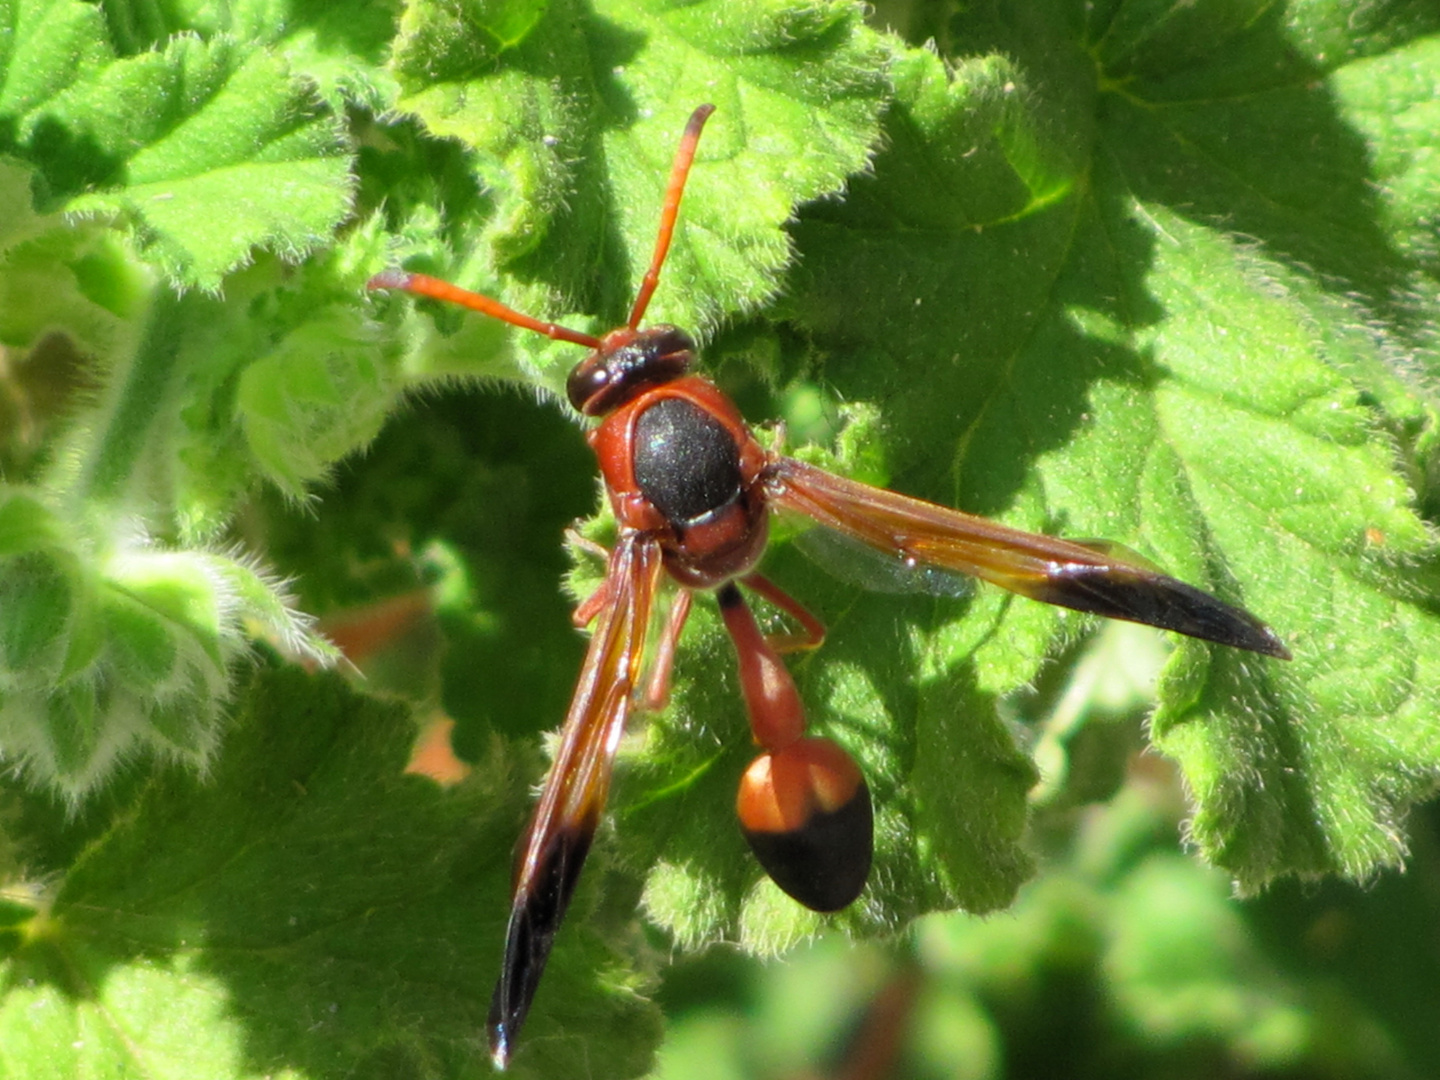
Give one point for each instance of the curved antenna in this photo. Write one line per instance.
(425, 285)
(679, 170)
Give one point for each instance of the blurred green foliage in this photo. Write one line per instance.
(1123, 958)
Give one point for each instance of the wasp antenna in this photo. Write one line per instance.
(669, 210)
(435, 289)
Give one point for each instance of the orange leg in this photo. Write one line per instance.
(814, 629)
(591, 606)
(657, 691)
(588, 608)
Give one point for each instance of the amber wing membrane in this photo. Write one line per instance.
(1101, 578)
(555, 844)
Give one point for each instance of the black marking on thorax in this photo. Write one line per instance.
(686, 461)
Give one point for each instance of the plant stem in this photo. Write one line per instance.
(142, 386)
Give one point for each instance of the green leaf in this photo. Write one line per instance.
(110, 645)
(1174, 320)
(304, 404)
(209, 149)
(339, 45)
(300, 939)
(575, 166)
(446, 41)
(45, 47)
(1154, 272)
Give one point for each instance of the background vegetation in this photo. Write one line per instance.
(1163, 273)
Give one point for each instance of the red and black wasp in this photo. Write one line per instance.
(692, 491)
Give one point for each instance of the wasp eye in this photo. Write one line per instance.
(671, 341)
(588, 379)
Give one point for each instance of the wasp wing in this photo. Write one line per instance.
(1099, 577)
(555, 843)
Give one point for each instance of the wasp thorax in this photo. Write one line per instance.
(627, 362)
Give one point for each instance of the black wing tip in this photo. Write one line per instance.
(499, 1046)
(536, 912)
(1208, 618)
(1249, 634)
(525, 955)
(1271, 645)
(1135, 595)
